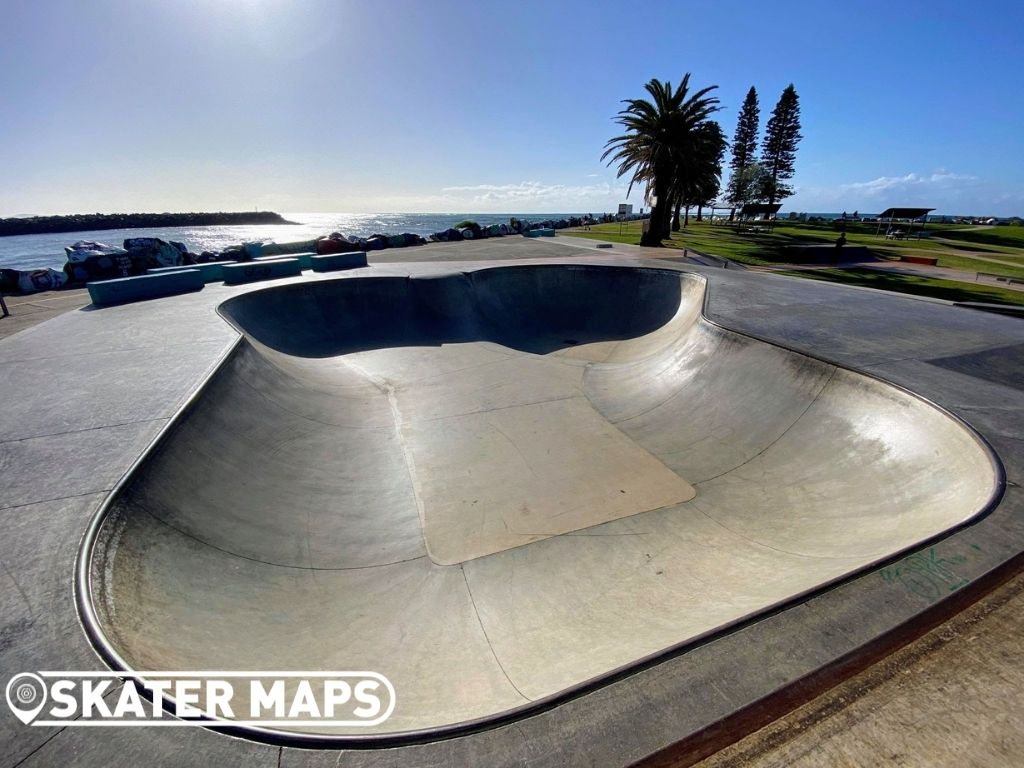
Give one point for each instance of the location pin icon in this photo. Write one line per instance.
(26, 695)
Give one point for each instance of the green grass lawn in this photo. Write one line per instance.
(1004, 236)
(719, 240)
(769, 248)
(951, 290)
(628, 232)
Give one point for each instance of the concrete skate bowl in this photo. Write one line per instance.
(500, 488)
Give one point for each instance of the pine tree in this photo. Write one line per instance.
(744, 149)
(779, 147)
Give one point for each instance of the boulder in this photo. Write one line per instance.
(328, 245)
(154, 251)
(85, 249)
(89, 260)
(253, 250)
(234, 253)
(271, 248)
(32, 281)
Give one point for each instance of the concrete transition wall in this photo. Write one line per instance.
(495, 486)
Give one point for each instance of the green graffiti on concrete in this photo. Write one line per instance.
(927, 574)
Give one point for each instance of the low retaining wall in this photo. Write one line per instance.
(125, 289)
(211, 271)
(334, 261)
(929, 261)
(252, 271)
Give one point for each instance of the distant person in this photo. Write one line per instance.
(840, 241)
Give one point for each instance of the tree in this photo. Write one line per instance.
(699, 169)
(659, 136)
(744, 149)
(709, 184)
(756, 181)
(778, 151)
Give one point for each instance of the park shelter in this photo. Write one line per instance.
(723, 206)
(754, 211)
(894, 217)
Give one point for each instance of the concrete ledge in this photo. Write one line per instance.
(211, 271)
(332, 261)
(126, 289)
(827, 253)
(305, 259)
(1000, 278)
(252, 271)
(929, 261)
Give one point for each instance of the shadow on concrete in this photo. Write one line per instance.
(536, 310)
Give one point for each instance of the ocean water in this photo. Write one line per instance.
(28, 252)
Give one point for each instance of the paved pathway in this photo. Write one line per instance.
(898, 268)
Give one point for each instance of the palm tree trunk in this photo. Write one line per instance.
(652, 237)
(700, 208)
(675, 216)
(666, 223)
(660, 211)
(656, 225)
(686, 222)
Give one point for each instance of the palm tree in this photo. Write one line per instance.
(658, 137)
(698, 169)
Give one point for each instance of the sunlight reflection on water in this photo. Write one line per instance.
(37, 251)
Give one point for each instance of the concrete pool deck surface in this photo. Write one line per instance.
(26, 311)
(99, 385)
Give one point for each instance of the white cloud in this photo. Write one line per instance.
(516, 197)
(942, 189)
(531, 192)
(912, 181)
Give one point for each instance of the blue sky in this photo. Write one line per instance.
(125, 105)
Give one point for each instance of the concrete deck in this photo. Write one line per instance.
(26, 311)
(133, 381)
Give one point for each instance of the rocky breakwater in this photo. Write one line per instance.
(87, 222)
